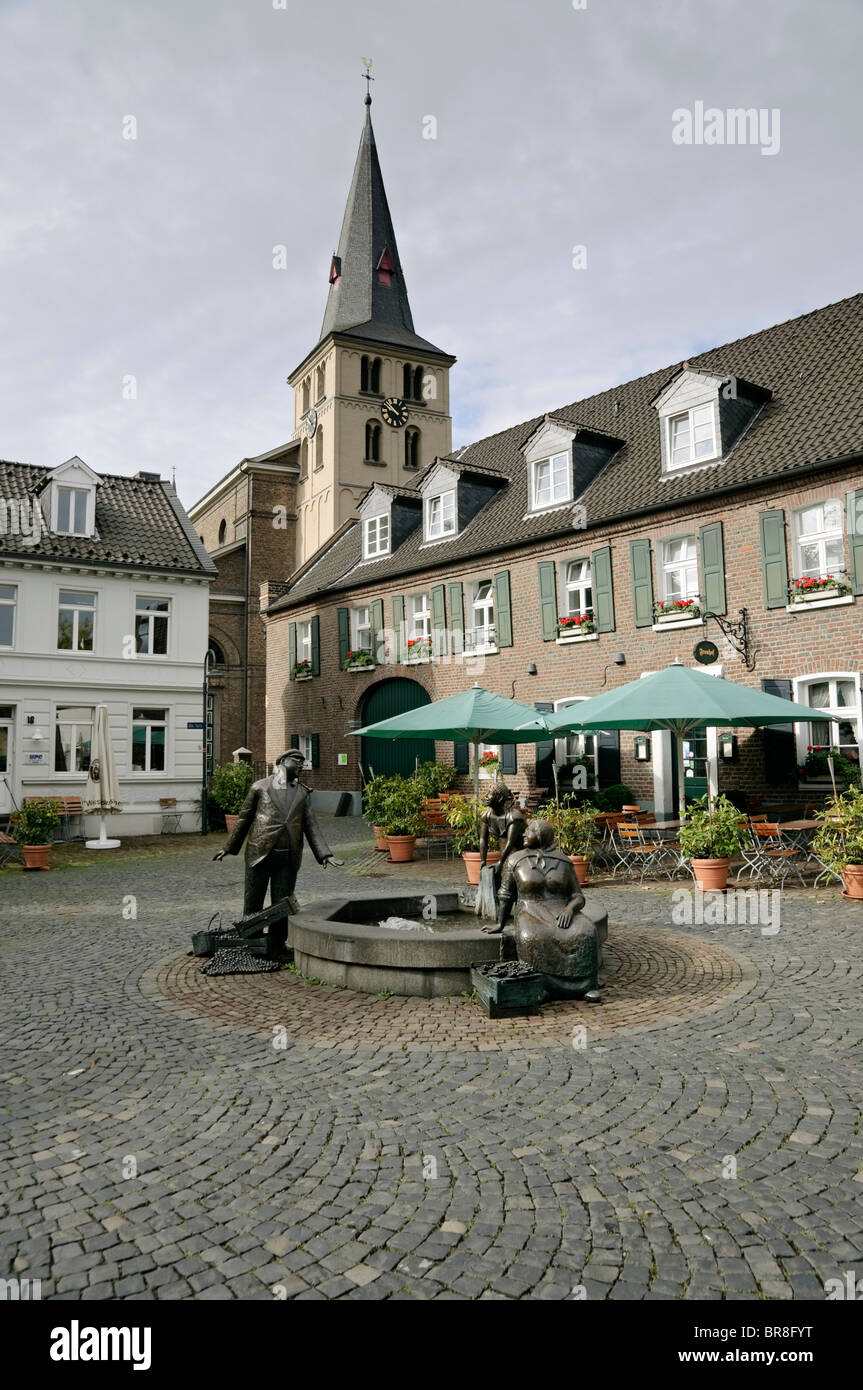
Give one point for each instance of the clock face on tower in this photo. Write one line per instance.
(395, 411)
(311, 423)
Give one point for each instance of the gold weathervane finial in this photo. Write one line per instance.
(367, 64)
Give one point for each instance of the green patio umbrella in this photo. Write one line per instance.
(473, 716)
(678, 699)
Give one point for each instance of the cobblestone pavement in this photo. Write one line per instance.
(159, 1144)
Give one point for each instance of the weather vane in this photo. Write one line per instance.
(367, 63)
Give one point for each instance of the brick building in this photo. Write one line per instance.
(719, 483)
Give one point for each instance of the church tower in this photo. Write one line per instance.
(371, 400)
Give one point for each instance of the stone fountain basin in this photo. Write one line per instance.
(339, 942)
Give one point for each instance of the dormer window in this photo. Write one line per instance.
(440, 516)
(71, 515)
(551, 481)
(376, 536)
(691, 436)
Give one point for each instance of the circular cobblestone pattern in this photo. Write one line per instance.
(171, 1137)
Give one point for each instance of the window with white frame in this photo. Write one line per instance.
(577, 590)
(73, 732)
(76, 621)
(577, 749)
(361, 628)
(70, 517)
(489, 750)
(679, 569)
(837, 697)
(480, 635)
(305, 745)
(551, 481)
(304, 641)
(376, 536)
(8, 599)
(419, 617)
(819, 550)
(149, 734)
(440, 516)
(691, 436)
(151, 625)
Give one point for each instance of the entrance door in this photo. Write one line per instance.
(7, 764)
(695, 765)
(388, 756)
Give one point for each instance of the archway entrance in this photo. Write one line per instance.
(382, 757)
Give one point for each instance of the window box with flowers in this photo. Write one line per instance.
(302, 671)
(419, 649)
(816, 769)
(577, 628)
(678, 610)
(809, 589)
(489, 765)
(360, 660)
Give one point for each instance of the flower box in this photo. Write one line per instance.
(575, 627)
(301, 678)
(675, 615)
(828, 591)
(360, 666)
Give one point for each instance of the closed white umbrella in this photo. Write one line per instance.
(102, 795)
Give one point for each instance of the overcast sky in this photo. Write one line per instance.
(152, 257)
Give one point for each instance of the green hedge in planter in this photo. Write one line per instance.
(230, 786)
(37, 822)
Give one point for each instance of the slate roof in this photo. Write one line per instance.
(813, 365)
(140, 524)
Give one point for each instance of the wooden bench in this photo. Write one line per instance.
(69, 808)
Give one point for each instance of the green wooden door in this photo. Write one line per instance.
(695, 761)
(381, 756)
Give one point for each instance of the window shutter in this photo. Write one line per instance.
(544, 753)
(548, 601)
(316, 645)
(344, 617)
(294, 741)
(642, 583)
(438, 621)
(399, 628)
(712, 568)
(608, 757)
(774, 561)
(377, 613)
(854, 508)
(507, 758)
(292, 648)
(456, 618)
(780, 751)
(461, 757)
(603, 590)
(316, 750)
(502, 610)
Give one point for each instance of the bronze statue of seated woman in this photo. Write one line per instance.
(552, 932)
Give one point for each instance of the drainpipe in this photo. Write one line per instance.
(248, 565)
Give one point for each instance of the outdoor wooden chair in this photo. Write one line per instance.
(437, 830)
(9, 850)
(71, 810)
(634, 851)
(170, 815)
(769, 855)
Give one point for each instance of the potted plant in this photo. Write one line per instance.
(402, 817)
(825, 586)
(434, 778)
(374, 801)
(359, 660)
(839, 840)
(575, 832)
(230, 787)
(709, 837)
(302, 671)
(463, 814)
(817, 769)
(672, 610)
(34, 827)
(576, 626)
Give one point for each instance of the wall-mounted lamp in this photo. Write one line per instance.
(728, 747)
(642, 749)
(619, 659)
(531, 668)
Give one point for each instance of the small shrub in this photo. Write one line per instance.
(37, 822)
(230, 787)
(716, 834)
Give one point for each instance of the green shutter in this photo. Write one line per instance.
(295, 741)
(377, 612)
(292, 648)
(712, 568)
(399, 628)
(344, 617)
(548, 601)
(438, 622)
(642, 583)
(502, 609)
(507, 759)
(456, 619)
(854, 506)
(461, 757)
(316, 750)
(603, 590)
(316, 645)
(774, 561)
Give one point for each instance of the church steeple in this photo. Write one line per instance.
(368, 297)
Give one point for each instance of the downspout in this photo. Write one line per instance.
(248, 615)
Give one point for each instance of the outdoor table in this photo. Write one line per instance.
(797, 832)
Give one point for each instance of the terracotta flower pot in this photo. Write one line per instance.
(711, 874)
(36, 856)
(401, 848)
(231, 823)
(581, 864)
(380, 838)
(853, 879)
(472, 864)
